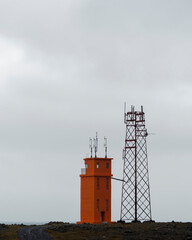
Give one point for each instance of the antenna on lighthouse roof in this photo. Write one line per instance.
(91, 146)
(105, 146)
(95, 144)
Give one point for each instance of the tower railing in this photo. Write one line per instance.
(83, 170)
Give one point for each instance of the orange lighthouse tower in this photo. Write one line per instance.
(96, 188)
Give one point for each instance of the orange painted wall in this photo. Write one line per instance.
(96, 191)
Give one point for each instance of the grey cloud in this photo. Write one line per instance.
(81, 60)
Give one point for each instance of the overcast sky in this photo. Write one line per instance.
(66, 69)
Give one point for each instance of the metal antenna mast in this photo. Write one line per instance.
(95, 144)
(91, 146)
(135, 200)
(105, 146)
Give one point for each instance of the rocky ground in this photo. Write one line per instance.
(33, 233)
(128, 231)
(115, 231)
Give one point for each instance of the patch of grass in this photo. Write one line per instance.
(131, 231)
(81, 235)
(9, 232)
(87, 232)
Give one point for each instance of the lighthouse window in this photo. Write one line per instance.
(97, 183)
(107, 165)
(107, 205)
(98, 204)
(97, 164)
(107, 183)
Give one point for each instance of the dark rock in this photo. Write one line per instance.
(128, 231)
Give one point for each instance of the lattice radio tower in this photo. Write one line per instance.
(135, 200)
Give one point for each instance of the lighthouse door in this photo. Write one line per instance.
(102, 216)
